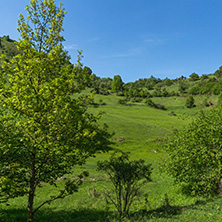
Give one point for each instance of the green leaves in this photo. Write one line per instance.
(195, 157)
(44, 130)
(127, 176)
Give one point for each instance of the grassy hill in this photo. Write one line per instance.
(143, 129)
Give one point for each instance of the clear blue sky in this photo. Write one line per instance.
(137, 38)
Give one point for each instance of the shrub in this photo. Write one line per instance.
(127, 177)
(122, 101)
(194, 77)
(195, 154)
(150, 103)
(159, 106)
(190, 102)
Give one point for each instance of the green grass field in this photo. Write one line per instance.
(143, 129)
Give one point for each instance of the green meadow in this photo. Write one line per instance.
(140, 130)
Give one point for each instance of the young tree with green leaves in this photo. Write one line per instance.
(44, 130)
(127, 177)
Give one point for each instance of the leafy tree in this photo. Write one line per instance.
(194, 77)
(183, 86)
(204, 76)
(194, 90)
(117, 84)
(190, 102)
(127, 177)
(195, 154)
(44, 130)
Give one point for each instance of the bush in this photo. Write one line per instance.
(150, 103)
(194, 90)
(195, 154)
(194, 77)
(127, 177)
(190, 102)
(137, 100)
(159, 106)
(122, 101)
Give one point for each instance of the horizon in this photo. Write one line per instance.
(166, 39)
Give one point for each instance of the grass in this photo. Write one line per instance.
(142, 129)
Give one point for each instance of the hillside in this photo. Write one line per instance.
(8, 47)
(141, 127)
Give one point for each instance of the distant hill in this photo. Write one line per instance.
(207, 84)
(8, 47)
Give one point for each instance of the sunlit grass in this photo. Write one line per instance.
(143, 129)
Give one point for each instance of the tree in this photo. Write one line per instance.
(117, 84)
(127, 177)
(195, 154)
(194, 77)
(190, 102)
(183, 86)
(44, 130)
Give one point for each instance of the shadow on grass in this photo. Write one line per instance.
(167, 211)
(82, 215)
(88, 215)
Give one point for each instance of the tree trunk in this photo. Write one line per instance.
(31, 192)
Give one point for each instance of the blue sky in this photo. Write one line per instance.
(137, 38)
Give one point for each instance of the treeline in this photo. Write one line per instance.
(206, 84)
(155, 87)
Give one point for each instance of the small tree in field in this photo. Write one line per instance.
(195, 154)
(44, 130)
(127, 177)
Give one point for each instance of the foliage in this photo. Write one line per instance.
(190, 102)
(195, 157)
(150, 103)
(100, 85)
(123, 101)
(194, 77)
(218, 73)
(44, 130)
(183, 86)
(8, 47)
(127, 177)
(194, 90)
(117, 84)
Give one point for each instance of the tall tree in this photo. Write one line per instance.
(44, 130)
(117, 84)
